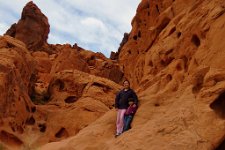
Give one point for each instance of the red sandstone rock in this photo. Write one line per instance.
(76, 100)
(115, 55)
(73, 94)
(32, 28)
(174, 58)
(101, 66)
(16, 69)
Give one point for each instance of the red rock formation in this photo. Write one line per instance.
(175, 58)
(75, 100)
(32, 28)
(115, 55)
(69, 58)
(101, 66)
(16, 68)
(37, 76)
(146, 26)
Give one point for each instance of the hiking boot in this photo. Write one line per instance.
(117, 134)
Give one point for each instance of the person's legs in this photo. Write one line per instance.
(120, 121)
(125, 127)
(127, 122)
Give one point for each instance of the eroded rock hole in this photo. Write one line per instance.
(10, 139)
(9, 45)
(167, 61)
(104, 87)
(178, 34)
(219, 104)
(150, 63)
(30, 121)
(129, 52)
(169, 51)
(71, 99)
(157, 8)
(60, 84)
(179, 67)
(91, 61)
(139, 34)
(42, 127)
(195, 40)
(97, 84)
(89, 110)
(135, 37)
(156, 104)
(61, 133)
(27, 108)
(163, 62)
(162, 24)
(172, 30)
(33, 109)
(13, 129)
(169, 77)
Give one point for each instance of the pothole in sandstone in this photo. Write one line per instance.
(30, 121)
(42, 127)
(195, 40)
(62, 133)
(218, 105)
(71, 99)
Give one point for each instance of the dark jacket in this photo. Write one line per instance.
(121, 101)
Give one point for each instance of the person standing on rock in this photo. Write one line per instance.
(122, 103)
(129, 114)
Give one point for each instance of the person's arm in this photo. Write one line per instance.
(134, 96)
(117, 100)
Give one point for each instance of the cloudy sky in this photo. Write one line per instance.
(96, 25)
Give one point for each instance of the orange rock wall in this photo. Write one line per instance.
(17, 67)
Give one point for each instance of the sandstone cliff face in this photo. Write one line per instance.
(32, 28)
(73, 99)
(76, 100)
(48, 93)
(174, 58)
(16, 108)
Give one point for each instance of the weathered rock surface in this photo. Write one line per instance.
(76, 100)
(16, 69)
(32, 28)
(73, 99)
(174, 58)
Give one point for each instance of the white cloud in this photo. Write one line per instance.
(3, 27)
(93, 23)
(97, 25)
